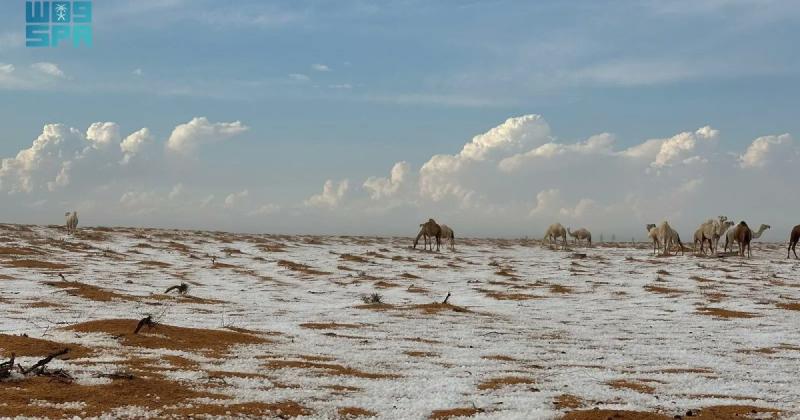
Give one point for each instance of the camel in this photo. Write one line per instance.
(712, 231)
(581, 234)
(667, 236)
(730, 238)
(448, 234)
(72, 221)
(430, 230)
(652, 233)
(793, 238)
(698, 237)
(554, 232)
(743, 235)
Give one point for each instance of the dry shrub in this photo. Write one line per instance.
(300, 268)
(86, 291)
(567, 401)
(44, 265)
(793, 306)
(497, 383)
(454, 412)
(409, 276)
(164, 336)
(159, 264)
(352, 412)
(436, 308)
(19, 251)
(27, 346)
(634, 386)
(421, 353)
(331, 369)
(725, 313)
(499, 295)
(355, 258)
(328, 326)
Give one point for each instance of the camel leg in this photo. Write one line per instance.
(794, 250)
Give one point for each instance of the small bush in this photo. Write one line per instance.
(373, 298)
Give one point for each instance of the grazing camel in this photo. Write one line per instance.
(793, 238)
(430, 230)
(730, 238)
(698, 237)
(581, 234)
(652, 233)
(667, 236)
(72, 221)
(448, 235)
(554, 232)
(743, 235)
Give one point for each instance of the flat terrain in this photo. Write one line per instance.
(285, 326)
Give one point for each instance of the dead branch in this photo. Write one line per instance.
(444, 302)
(43, 362)
(181, 288)
(144, 321)
(5, 367)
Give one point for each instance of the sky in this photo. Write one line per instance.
(369, 117)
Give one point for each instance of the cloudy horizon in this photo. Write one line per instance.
(506, 118)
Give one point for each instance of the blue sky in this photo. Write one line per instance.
(345, 89)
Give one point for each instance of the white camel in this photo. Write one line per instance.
(652, 233)
(711, 231)
(667, 236)
(448, 235)
(554, 232)
(581, 234)
(72, 221)
(730, 236)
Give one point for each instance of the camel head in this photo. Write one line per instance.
(650, 226)
(67, 214)
(764, 227)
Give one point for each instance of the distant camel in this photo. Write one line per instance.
(554, 232)
(711, 231)
(698, 237)
(72, 221)
(430, 230)
(581, 234)
(743, 235)
(667, 236)
(448, 235)
(730, 239)
(652, 233)
(793, 238)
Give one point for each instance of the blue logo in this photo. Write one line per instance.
(53, 23)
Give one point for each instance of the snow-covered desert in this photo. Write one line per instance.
(340, 327)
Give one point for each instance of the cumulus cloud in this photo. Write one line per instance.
(265, 210)
(320, 67)
(185, 138)
(678, 147)
(765, 150)
(134, 144)
(331, 195)
(49, 69)
(235, 199)
(387, 187)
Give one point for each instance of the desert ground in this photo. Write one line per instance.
(342, 327)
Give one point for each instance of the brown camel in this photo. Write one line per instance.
(793, 238)
(580, 234)
(743, 235)
(430, 230)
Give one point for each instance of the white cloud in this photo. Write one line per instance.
(176, 192)
(265, 210)
(320, 67)
(343, 86)
(765, 150)
(138, 72)
(102, 135)
(185, 138)
(299, 77)
(387, 187)
(331, 195)
(49, 69)
(235, 199)
(677, 147)
(135, 143)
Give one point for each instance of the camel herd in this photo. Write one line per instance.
(664, 237)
